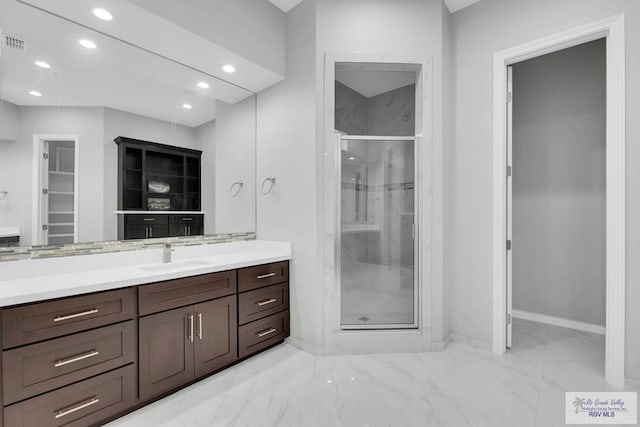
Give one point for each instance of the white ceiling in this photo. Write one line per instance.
(286, 5)
(114, 75)
(456, 5)
(373, 79)
(452, 5)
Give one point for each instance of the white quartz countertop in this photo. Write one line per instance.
(37, 280)
(9, 231)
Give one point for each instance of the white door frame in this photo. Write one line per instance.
(612, 29)
(36, 200)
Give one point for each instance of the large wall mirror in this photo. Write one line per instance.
(101, 140)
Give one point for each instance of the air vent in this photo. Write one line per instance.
(14, 42)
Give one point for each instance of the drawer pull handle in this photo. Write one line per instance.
(148, 219)
(191, 327)
(76, 407)
(187, 219)
(264, 276)
(267, 332)
(73, 316)
(200, 326)
(73, 359)
(266, 302)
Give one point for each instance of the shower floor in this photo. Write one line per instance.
(375, 294)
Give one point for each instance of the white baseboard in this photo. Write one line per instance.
(469, 341)
(559, 321)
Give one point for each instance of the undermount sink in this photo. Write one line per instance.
(176, 265)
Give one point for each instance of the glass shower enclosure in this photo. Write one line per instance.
(375, 128)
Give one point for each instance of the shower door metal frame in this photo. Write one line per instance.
(340, 137)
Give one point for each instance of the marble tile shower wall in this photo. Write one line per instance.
(393, 112)
(35, 252)
(389, 113)
(351, 111)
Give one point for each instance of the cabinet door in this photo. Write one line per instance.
(146, 231)
(216, 334)
(186, 225)
(166, 350)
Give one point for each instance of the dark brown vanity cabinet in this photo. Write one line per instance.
(184, 343)
(69, 362)
(84, 360)
(263, 307)
(155, 178)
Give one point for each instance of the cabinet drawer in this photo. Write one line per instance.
(262, 333)
(254, 305)
(138, 219)
(36, 322)
(186, 219)
(263, 275)
(38, 368)
(82, 404)
(190, 290)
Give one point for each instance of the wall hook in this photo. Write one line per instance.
(236, 187)
(271, 181)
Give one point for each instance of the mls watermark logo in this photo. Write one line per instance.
(601, 407)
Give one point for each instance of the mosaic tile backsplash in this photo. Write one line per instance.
(73, 249)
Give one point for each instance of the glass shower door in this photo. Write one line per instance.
(377, 217)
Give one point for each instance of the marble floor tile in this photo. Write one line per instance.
(461, 386)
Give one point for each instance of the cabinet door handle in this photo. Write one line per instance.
(73, 316)
(185, 230)
(191, 327)
(266, 302)
(150, 231)
(264, 276)
(76, 407)
(75, 358)
(200, 326)
(267, 332)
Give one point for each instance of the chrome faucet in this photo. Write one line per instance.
(166, 253)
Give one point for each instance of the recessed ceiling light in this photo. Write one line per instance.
(187, 106)
(352, 158)
(103, 14)
(87, 43)
(35, 93)
(203, 85)
(42, 64)
(229, 68)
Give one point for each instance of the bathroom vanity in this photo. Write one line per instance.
(72, 357)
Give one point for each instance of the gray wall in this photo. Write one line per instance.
(286, 149)
(480, 31)
(236, 161)
(206, 142)
(559, 128)
(8, 121)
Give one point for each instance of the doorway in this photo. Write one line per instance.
(612, 31)
(55, 211)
